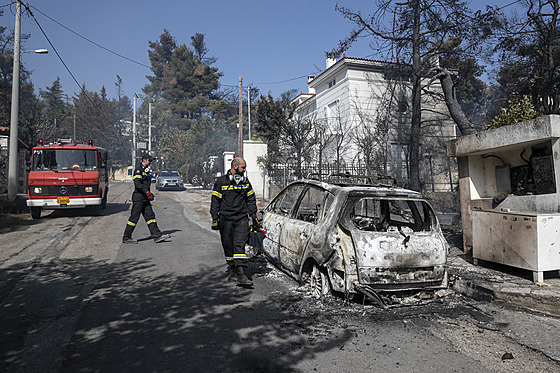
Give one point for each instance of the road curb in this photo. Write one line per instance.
(528, 296)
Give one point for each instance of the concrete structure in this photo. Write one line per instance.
(363, 111)
(256, 172)
(228, 157)
(510, 200)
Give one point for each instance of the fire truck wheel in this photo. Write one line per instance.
(104, 201)
(96, 210)
(35, 212)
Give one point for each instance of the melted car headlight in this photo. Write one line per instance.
(89, 189)
(37, 190)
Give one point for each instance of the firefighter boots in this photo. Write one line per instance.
(242, 278)
(161, 238)
(232, 275)
(129, 240)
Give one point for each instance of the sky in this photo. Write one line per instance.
(272, 45)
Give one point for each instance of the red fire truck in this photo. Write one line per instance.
(67, 175)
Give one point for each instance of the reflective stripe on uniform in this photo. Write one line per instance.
(239, 256)
(151, 221)
(131, 223)
(229, 258)
(137, 177)
(235, 187)
(217, 194)
(250, 193)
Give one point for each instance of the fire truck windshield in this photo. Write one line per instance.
(64, 159)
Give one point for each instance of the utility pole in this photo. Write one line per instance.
(240, 117)
(13, 152)
(75, 139)
(150, 128)
(134, 134)
(249, 111)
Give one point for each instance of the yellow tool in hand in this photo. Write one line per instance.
(161, 207)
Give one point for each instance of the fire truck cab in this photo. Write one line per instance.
(67, 175)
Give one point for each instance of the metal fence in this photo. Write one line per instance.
(443, 195)
(281, 175)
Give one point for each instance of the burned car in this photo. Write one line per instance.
(354, 238)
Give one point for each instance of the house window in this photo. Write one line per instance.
(332, 83)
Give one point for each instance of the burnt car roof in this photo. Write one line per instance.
(362, 189)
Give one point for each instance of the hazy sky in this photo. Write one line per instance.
(265, 42)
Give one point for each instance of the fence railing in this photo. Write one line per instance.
(283, 174)
(280, 175)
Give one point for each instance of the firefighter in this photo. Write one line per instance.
(141, 197)
(233, 200)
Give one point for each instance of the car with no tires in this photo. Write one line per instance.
(355, 238)
(169, 180)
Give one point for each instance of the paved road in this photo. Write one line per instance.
(75, 299)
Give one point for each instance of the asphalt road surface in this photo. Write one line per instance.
(75, 299)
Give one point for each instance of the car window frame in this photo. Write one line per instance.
(272, 208)
(322, 212)
(428, 219)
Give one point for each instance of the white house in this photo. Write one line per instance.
(363, 108)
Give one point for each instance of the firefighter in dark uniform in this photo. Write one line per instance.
(233, 200)
(141, 205)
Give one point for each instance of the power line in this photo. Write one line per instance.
(120, 55)
(285, 81)
(134, 61)
(65, 66)
(510, 4)
(52, 46)
(91, 41)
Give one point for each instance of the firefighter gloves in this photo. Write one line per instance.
(150, 196)
(215, 225)
(256, 223)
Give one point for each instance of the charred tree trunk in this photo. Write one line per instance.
(415, 133)
(457, 113)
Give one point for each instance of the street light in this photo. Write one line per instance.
(38, 51)
(13, 151)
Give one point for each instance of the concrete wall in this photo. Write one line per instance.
(255, 171)
(482, 156)
(122, 174)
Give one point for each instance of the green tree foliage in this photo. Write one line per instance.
(271, 119)
(54, 112)
(28, 103)
(200, 49)
(289, 138)
(529, 49)
(185, 83)
(189, 151)
(520, 108)
(98, 119)
(207, 137)
(173, 147)
(193, 118)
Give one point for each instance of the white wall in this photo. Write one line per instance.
(256, 172)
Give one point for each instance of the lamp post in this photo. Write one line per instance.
(13, 151)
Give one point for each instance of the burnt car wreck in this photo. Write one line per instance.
(355, 238)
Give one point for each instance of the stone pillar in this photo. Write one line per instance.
(228, 157)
